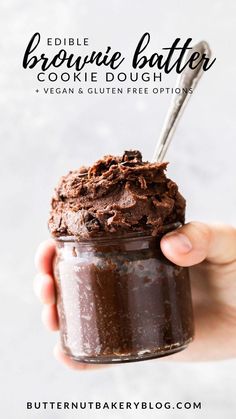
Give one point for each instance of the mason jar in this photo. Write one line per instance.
(119, 299)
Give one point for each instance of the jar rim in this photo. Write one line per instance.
(126, 236)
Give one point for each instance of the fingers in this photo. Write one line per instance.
(70, 363)
(50, 317)
(44, 288)
(195, 241)
(44, 256)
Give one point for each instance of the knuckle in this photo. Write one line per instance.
(202, 230)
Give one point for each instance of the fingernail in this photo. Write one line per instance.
(179, 241)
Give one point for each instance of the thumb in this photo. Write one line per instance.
(195, 241)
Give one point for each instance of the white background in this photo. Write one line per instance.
(42, 137)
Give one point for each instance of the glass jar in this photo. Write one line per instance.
(119, 299)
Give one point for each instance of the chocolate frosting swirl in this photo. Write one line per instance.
(114, 196)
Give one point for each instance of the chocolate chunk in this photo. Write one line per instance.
(132, 155)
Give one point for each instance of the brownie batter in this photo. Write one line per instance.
(118, 298)
(116, 194)
(121, 300)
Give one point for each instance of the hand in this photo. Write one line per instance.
(210, 252)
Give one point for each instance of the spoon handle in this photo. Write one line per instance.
(188, 79)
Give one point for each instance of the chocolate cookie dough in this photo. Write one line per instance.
(118, 298)
(116, 194)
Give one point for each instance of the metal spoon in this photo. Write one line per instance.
(187, 79)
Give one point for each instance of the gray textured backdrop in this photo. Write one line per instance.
(42, 137)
